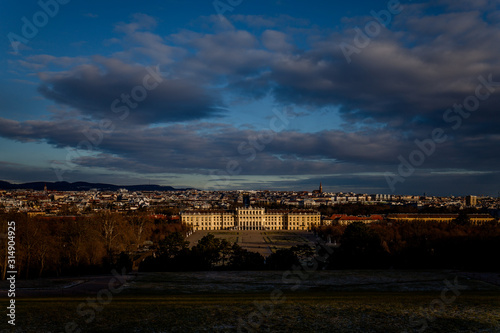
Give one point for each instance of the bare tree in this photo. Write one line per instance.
(113, 232)
(140, 225)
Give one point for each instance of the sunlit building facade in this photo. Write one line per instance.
(251, 218)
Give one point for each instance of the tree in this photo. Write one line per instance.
(82, 244)
(462, 219)
(226, 250)
(113, 232)
(303, 251)
(242, 259)
(27, 239)
(208, 251)
(141, 228)
(334, 231)
(361, 246)
(282, 259)
(47, 250)
(172, 245)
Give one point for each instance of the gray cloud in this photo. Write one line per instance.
(110, 88)
(16, 173)
(394, 91)
(405, 78)
(207, 147)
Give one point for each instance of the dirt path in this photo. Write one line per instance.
(254, 241)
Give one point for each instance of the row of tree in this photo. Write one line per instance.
(174, 254)
(414, 245)
(86, 244)
(96, 243)
(212, 253)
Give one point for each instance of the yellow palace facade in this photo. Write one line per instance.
(251, 218)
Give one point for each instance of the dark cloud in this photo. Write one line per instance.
(205, 148)
(141, 95)
(17, 173)
(406, 78)
(393, 91)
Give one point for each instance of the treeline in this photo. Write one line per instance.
(97, 243)
(416, 245)
(88, 244)
(212, 253)
(402, 245)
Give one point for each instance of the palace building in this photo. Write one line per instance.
(251, 218)
(476, 219)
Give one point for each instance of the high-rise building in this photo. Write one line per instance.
(471, 200)
(246, 200)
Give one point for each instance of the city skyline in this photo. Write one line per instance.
(369, 97)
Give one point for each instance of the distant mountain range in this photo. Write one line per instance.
(81, 186)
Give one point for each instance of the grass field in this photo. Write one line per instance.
(296, 312)
(341, 301)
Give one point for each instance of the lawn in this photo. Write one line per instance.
(287, 239)
(293, 312)
(339, 301)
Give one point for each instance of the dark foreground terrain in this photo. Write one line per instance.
(337, 301)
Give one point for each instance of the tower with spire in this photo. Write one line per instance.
(320, 190)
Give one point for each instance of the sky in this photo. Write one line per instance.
(363, 96)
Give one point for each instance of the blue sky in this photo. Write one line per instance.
(269, 95)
